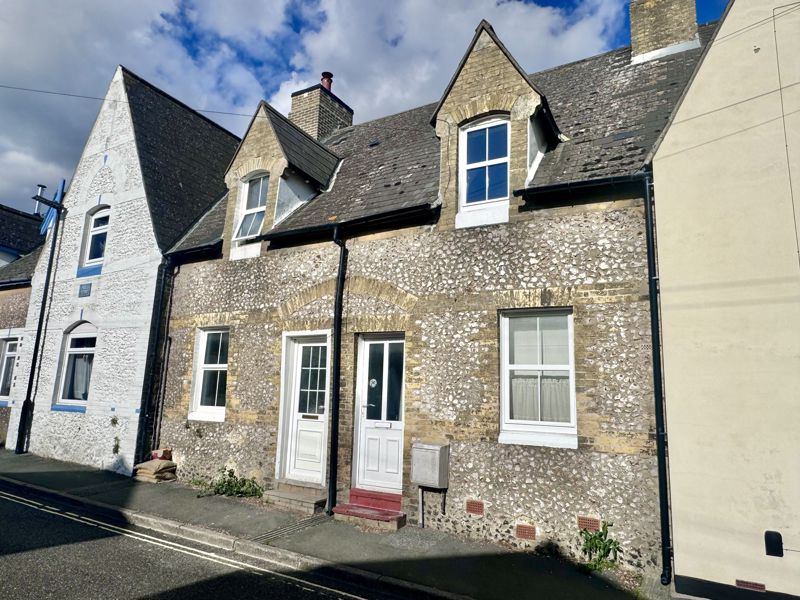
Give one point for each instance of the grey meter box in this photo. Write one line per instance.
(429, 464)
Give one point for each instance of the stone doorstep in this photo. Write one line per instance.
(370, 518)
(308, 501)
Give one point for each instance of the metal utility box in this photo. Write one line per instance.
(430, 465)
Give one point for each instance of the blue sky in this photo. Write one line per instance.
(386, 56)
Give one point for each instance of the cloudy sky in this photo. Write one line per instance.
(386, 56)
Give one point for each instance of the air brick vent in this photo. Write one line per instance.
(526, 531)
(751, 585)
(590, 523)
(475, 507)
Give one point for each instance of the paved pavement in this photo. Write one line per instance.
(414, 561)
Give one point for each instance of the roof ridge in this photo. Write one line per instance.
(20, 213)
(389, 116)
(288, 121)
(173, 99)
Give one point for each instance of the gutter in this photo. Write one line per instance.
(643, 178)
(369, 222)
(14, 283)
(615, 181)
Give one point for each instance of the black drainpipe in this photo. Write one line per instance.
(336, 375)
(26, 414)
(658, 390)
(147, 412)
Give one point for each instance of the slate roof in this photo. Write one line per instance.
(207, 231)
(302, 151)
(387, 164)
(183, 156)
(21, 270)
(612, 111)
(19, 231)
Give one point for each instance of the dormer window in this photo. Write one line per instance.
(254, 195)
(484, 151)
(96, 237)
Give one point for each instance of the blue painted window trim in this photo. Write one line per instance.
(89, 271)
(68, 408)
(4, 404)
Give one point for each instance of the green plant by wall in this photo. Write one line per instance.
(228, 484)
(601, 549)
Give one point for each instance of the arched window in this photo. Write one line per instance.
(77, 360)
(96, 235)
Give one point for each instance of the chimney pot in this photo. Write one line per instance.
(327, 80)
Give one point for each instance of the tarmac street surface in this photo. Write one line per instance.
(50, 552)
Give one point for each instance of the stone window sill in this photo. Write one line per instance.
(76, 408)
(216, 416)
(554, 439)
(487, 214)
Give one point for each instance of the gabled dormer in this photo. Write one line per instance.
(494, 126)
(277, 168)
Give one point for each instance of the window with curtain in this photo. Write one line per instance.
(96, 235)
(9, 348)
(537, 379)
(77, 363)
(253, 207)
(211, 375)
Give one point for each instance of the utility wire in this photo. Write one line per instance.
(198, 110)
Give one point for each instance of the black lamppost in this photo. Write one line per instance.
(26, 414)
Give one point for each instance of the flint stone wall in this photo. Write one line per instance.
(443, 289)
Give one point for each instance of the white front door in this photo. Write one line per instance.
(306, 409)
(379, 448)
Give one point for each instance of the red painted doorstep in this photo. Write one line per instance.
(382, 500)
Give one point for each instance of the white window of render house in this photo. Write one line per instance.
(9, 348)
(96, 234)
(484, 150)
(76, 365)
(537, 379)
(254, 202)
(210, 375)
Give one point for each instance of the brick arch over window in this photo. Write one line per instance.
(357, 284)
(259, 164)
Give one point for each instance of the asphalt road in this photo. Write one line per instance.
(48, 552)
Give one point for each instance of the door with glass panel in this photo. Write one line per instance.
(379, 447)
(308, 400)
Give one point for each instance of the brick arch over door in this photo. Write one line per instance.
(357, 284)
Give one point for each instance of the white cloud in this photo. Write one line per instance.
(386, 57)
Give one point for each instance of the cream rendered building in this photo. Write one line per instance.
(727, 181)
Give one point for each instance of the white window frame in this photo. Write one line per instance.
(65, 362)
(207, 413)
(484, 212)
(5, 354)
(244, 211)
(92, 231)
(536, 433)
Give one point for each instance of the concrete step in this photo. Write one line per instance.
(306, 501)
(384, 500)
(370, 518)
(300, 487)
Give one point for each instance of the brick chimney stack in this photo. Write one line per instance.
(662, 27)
(318, 111)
